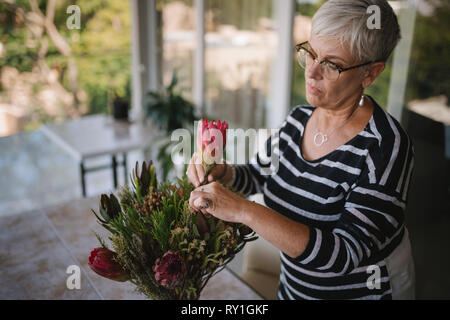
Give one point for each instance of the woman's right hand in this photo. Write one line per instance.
(196, 174)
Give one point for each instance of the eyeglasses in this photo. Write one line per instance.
(330, 70)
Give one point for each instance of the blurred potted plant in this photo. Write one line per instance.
(170, 111)
(121, 102)
(120, 108)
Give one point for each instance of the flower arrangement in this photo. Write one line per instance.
(159, 243)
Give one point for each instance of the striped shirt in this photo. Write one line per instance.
(352, 199)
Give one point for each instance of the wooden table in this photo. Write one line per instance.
(98, 135)
(37, 247)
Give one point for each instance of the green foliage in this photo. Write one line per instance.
(101, 48)
(429, 72)
(103, 51)
(241, 14)
(143, 181)
(17, 55)
(298, 93)
(141, 234)
(379, 89)
(308, 8)
(170, 111)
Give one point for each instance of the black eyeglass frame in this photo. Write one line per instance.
(339, 68)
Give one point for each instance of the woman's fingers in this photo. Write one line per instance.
(192, 173)
(200, 173)
(199, 201)
(195, 171)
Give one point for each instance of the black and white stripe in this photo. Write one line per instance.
(353, 201)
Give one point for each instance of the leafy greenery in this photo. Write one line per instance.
(429, 72)
(170, 111)
(103, 52)
(236, 13)
(379, 89)
(154, 218)
(101, 48)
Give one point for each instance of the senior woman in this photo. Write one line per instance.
(335, 206)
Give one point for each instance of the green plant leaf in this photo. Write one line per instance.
(98, 218)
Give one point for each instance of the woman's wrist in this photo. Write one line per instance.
(247, 211)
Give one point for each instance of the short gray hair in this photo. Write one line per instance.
(346, 20)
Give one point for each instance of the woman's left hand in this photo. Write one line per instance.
(223, 204)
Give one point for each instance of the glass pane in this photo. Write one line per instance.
(302, 29)
(240, 42)
(429, 69)
(426, 117)
(178, 43)
(67, 72)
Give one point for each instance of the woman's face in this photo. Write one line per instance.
(321, 92)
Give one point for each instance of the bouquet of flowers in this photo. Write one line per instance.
(158, 243)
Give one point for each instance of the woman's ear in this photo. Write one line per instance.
(372, 73)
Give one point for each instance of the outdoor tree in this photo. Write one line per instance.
(85, 68)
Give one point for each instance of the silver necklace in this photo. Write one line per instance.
(320, 138)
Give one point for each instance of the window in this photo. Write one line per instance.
(57, 73)
(240, 43)
(178, 43)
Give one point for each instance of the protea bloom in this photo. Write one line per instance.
(211, 141)
(102, 262)
(170, 269)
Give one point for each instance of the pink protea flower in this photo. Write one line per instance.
(207, 132)
(170, 269)
(211, 141)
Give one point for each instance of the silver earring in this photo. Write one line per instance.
(361, 101)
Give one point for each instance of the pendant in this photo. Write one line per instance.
(322, 138)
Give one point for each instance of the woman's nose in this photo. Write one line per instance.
(314, 70)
